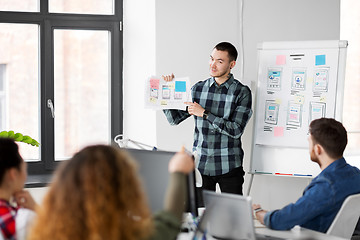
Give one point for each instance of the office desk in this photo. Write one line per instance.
(295, 233)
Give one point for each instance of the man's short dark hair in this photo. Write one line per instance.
(9, 156)
(330, 134)
(229, 48)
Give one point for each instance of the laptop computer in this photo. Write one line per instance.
(153, 171)
(227, 216)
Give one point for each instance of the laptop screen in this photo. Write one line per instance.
(153, 170)
(227, 216)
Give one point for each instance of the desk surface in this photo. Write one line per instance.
(295, 233)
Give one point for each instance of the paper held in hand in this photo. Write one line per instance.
(160, 94)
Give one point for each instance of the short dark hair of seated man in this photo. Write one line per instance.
(330, 134)
(323, 197)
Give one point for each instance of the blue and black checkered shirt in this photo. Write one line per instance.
(217, 140)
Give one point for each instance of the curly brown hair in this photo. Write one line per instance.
(95, 195)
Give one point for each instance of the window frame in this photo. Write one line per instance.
(47, 22)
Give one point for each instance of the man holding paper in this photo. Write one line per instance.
(322, 199)
(221, 106)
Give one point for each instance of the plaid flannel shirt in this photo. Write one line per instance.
(217, 140)
(7, 220)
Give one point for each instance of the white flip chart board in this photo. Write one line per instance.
(297, 82)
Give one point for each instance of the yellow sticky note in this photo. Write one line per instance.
(310, 80)
(300, 99)
(171, 85)
(278, 101)
(163, 102)
(153, 100)
(323, 99)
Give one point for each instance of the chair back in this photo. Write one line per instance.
(347, 217)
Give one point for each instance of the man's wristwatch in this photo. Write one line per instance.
(205, 114)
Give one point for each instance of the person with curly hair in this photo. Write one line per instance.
(98, 195)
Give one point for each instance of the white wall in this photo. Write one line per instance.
(186, 33)
(139, 63)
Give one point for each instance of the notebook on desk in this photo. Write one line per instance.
(227, 216)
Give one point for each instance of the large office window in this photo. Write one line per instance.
(350, 30)
(60, 75)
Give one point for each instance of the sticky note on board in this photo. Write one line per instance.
(293, 116)
(320, 60)
(278, 101)
(280, 59)
(154, 83)
(153, 100)
(278, 131)
(171, 85)
(180, 86)
(300, 99)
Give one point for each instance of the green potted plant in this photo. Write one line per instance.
(20, 137)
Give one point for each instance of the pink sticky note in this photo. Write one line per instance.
(293, 116)
(278, 131)
(154, 83)
(280, 59)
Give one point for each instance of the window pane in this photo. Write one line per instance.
(82, 6)
(2, 97)
(20, 103)
(350, 30)
(2, 112)
(19, 5)
(2, 78)
(82, 108)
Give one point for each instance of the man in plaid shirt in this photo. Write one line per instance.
(221, 107)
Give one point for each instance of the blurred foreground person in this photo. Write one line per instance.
(97, 195)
